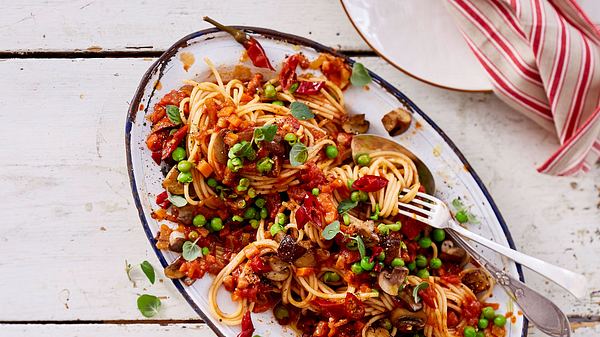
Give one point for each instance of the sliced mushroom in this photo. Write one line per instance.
(171, 184)
(308, 259)
(407, 298)
(391, 281)
(366, 229)
(452, 253)
(476, 280)
(280, 270)
(172, 271)
(406, 321)
(185, 214)
(379, 332)
(176, 241)
(397, 121)
(356, 124)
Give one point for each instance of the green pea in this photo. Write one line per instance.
(280, 312)
(212, 182)
(270, 91)
(397, 262)
(275, 228)
(263, 213)
(438, 235)
(349, 184)
(290, 138)
(280, 103)
(363, 159)
(199, 220)
(184, 177)
(363, 196)
(294, 87)
(205, 251)
(254, 223)
(331, 277)
(423, 273)
(315, 191)
(394, 227)
(412, 266)
(234, 164)
(461, 216)
(488, 313)
(387, 324)
(260, 202)
(381, 256)
(243, 184)
(435, 263)
(421, 261)
(346, 219)
(480, 334)
(331, 151)
(483, 323)
(264, 165)
(383, 229)
(366, 264)
(241, 204)
(216, 224)
(237, 218)
(425, 242)
(356, 268)
(281, 218)
(355, 196)
(499, 320)
(184, 166)
(178, 154)
(469, 331)
(250, 213)
(251, 192)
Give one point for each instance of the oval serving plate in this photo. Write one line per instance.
(454, 176)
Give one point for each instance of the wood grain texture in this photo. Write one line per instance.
(70, 222)
(56, 25)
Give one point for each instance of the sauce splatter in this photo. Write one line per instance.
(94, 49)
(187, 59)
(437, 150)
(418, 125)
(244, 56)
(141, 107)
(157, 85)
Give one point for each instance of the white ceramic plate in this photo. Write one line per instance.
(420, 38)
(454, 176)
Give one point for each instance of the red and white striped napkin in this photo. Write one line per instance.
(543, 58)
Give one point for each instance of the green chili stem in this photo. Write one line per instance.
(237, 34)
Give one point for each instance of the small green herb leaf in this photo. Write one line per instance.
(148, 305)
(173, 114)
(177, 200)
(191, 250)
(331, 230)
(458, 204)
(148, 270)
(301, 111)
(346, 205)
(265, 133)
(298, 154)
(420, 286)
(360, 75)
(361, 246)
(128, 271)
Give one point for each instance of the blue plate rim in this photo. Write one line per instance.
(159, 64)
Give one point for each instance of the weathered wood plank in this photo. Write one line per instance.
(154, 25)
(69, 221)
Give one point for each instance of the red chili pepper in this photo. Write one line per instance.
(287, 75)
(255, 51)
(301, 217)
(247, 326)
(156, 156)
(162, 200)
(310, 88)
(258, 265)
(370, 183)
(376, 251)
(354, 307)
(173, 141)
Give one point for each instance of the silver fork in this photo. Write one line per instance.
(434, 212)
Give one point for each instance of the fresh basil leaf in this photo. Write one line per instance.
(177, 200)
(148, 305)
(173, 114)
(265, 133)
(346, 205)
(301, 111)
(458, 204)
(191, 250)
(148, 270)
(298, 154)
(331, 230)
(360, 75)
(420, 286)
(361, 246)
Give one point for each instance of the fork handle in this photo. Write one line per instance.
(574, 283)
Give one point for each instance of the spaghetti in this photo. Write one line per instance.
(262, 180)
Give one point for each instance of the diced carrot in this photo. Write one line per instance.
(226, 111)
(235, 121)
(231, 138)
(251, 251)
(305, 271)
(205, 169)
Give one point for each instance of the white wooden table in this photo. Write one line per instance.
(68, 70)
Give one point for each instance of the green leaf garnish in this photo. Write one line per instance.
(148, 270)
(191, 250)
(301, 111)
(346, 205)
(265, 133)
(298, 154)
(242, 149)
(173, 114)
(148, 305)
(361, 246)
(360, 75)
(420, 286)
(458, 204)
(331, 230)
(177, 200)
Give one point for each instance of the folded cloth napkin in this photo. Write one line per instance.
(543, 58)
